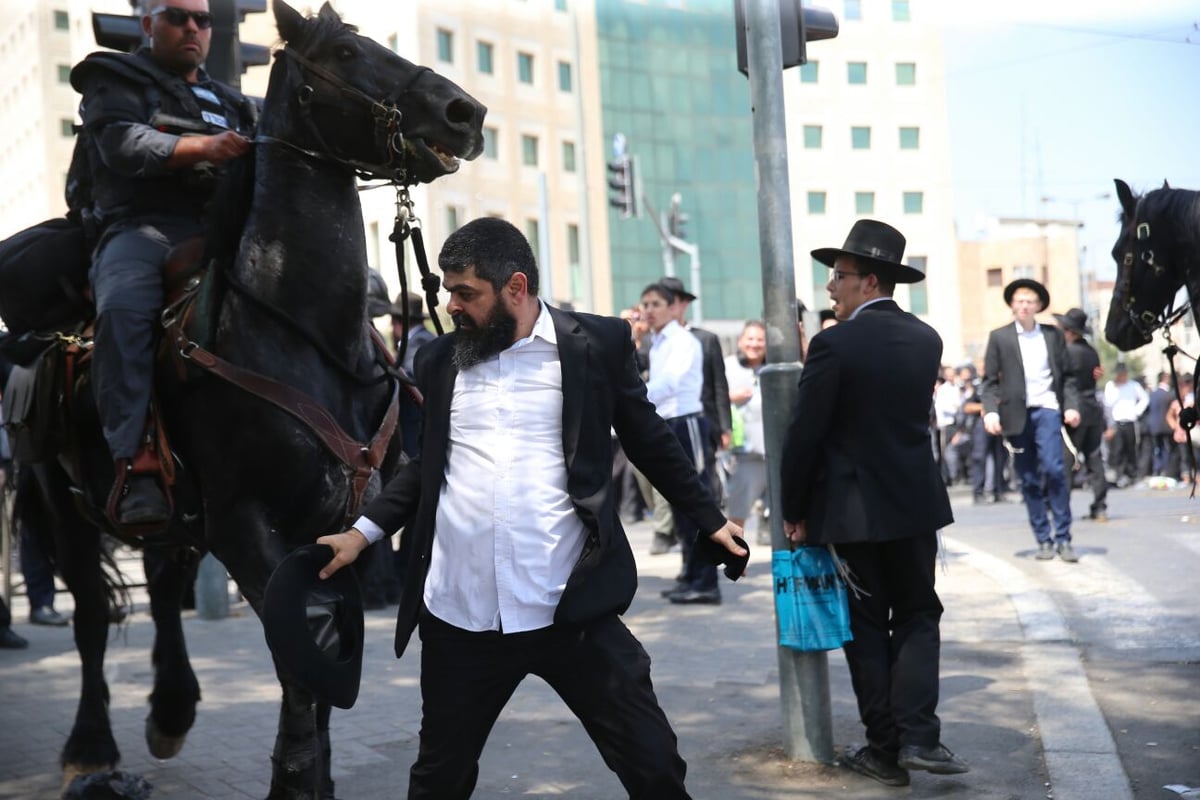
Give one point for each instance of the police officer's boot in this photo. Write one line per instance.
(142, 502)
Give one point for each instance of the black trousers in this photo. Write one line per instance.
(1122, 452)
(600, 670)
(893, 658)
(1087, 437)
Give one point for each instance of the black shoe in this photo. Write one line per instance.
(936, 759)
(45, 615)
(979, 500)
(678, 588)
(866, 761)
(1098, 515)
(143, 504)
(1066, 552)
(11, 640)
(711, 597)
(1045, 551)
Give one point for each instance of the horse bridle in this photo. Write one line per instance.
(385, 115)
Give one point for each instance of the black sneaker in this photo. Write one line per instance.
(937, 759)
(866, 761)
(1045, 551)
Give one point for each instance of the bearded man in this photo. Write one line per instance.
(519, 563)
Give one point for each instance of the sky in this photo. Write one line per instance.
(1054, 99)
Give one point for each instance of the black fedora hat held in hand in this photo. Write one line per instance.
(314, 627)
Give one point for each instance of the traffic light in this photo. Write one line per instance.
(677, 219)
(798, 24)
(228, 57)
(621, 181)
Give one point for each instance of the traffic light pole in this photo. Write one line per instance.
(803, 676)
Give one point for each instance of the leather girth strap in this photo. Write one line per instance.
(361, 459)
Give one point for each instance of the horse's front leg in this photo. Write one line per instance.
(300, 761)
(169, 570)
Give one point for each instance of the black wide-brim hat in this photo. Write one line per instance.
(1027, 283)
(1074, 320)
(314, 627)
(879, 243)
(677, 288)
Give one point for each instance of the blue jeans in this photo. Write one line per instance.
(1039, 463)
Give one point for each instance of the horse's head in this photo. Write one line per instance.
(1147, 277)
(351, 100)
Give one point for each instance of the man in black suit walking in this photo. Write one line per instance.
(1028, 393)
(1083, 362)
(858, 472)
(519, 562)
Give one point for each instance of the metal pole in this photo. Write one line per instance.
(697, 308)
(803, 677)
(545, 268)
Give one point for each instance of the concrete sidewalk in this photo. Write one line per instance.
(714, 667)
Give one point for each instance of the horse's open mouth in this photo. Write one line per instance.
(434, 153)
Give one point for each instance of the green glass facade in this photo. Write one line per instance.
(669, 83)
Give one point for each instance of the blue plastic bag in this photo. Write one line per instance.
(810, 599)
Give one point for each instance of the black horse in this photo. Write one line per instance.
(1157, 254)
(255, 480)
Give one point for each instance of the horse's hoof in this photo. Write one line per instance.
(160, 745)
(73, 771)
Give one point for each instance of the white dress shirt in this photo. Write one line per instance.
(506, 535)
(676, 372)
(1039, 380)
(1125, 401)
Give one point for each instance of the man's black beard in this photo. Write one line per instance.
(475, 345)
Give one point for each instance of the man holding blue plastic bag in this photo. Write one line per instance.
(858, 472)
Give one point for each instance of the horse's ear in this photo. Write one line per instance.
(288, 21)
(328, 13)
(1165, 184)
(1125, 195)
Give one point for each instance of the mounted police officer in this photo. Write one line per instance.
(156, 129)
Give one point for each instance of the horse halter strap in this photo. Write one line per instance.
(1139, 253)
(385, 115)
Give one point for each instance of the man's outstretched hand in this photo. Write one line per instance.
(346, 547)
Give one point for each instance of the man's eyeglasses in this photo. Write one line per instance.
(179, 16)
(839, 276)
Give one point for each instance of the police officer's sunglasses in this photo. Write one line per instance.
(179, 16)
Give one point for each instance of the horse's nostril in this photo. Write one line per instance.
(460, 112)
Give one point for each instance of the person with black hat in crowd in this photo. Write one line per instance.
(1084, 363)
(1028, 393)
(858, 473)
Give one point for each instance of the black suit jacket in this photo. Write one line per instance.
(1082, 361)
(1003, 389)
(858, 463)
(714, 394)
(601, 390)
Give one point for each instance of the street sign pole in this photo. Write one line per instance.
(803, 677)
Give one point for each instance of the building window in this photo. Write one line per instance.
(491, 138)
(452, 219)
(64, 73)
(531, 233)
(573, 259)
(445, 46)
(529, 150)
(856, 72)
(810, 72)
(910, 138)
(820, 277)
(1023, 271)
(918, 293)
(812, 137)
(525, 67)
(483, 57)
(860, 137)
(995, 277)
(560, 5)
(914, 202)
(568, 156)
(816, 202)
(66, 128)
(62, 21)
(564, 76)
(900, 12)
(906, 73)
(864, 202)
(852, 10)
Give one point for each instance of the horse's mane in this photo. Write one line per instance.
(322, 27)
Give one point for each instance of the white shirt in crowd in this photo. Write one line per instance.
(1125, 401)
(676, 372)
